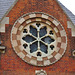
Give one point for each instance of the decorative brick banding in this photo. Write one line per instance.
(53, 23)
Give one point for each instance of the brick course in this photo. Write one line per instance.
(10, 63)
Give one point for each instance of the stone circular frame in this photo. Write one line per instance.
(47, 19)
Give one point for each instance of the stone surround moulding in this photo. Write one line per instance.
(50, 21)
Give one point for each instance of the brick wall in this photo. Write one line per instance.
(11, 64)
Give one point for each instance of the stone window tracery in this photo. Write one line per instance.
(37, 38)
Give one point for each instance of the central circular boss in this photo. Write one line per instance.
(37, 38)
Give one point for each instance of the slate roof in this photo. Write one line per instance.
(6, 4)
(68, 12)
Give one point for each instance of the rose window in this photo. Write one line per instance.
(38, 39)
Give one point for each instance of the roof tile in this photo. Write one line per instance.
(6, 4)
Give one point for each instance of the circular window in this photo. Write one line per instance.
(39, 39)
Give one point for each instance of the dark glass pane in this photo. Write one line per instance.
(28, 38)
(52, 47)
(43, 47)
(48, 40)
(39, 54)
(25, 31)
(33, 47)
(33, 31)
(51, 33)
(25, 45)
(43, 31)
(37, 24)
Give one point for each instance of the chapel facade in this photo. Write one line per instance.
(37, 37)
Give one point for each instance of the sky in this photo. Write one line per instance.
(70, 4)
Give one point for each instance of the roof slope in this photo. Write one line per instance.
(6, 4)
(68, 12)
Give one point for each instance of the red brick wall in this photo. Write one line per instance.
(11, 64)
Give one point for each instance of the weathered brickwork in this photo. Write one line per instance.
(11, 64)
